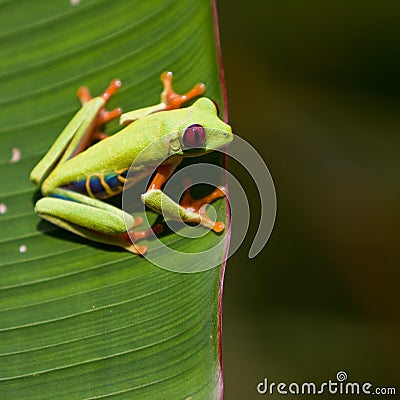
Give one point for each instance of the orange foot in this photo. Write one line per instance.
(103, 116)
(199, 206)
(133, 236)
(173, 100)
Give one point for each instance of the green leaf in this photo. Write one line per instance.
(81, 320)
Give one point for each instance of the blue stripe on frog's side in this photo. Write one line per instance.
(101, 185)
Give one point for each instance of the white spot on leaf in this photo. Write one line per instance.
(75, 2)
(22, 248)
(16, 155)
(3, 208)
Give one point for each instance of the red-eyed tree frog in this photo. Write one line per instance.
(75, 175)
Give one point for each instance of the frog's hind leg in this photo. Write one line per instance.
(93, 219)
(79, 132)
(103, 116)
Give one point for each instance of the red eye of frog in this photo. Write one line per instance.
(194, 136)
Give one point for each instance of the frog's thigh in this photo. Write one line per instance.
(112, 221)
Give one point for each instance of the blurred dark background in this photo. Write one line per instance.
(314, 86)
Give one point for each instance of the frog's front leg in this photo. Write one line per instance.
(170, 100)
(91, 218)
(189, 210)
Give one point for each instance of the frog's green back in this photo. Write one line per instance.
(155, 137)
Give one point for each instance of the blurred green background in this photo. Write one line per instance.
(314, 86)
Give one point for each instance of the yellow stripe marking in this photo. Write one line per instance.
(88, 188)
(106, 186)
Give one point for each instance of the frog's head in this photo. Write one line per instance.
(202, 130)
